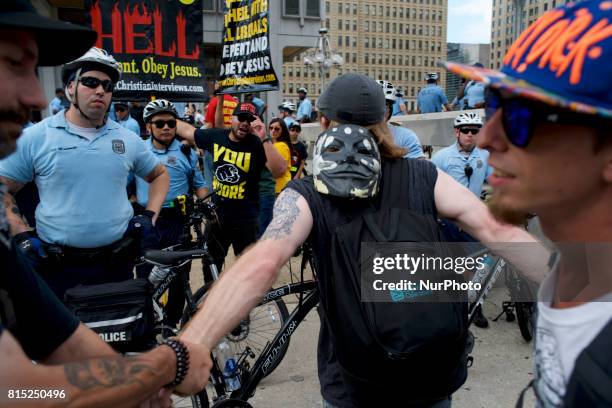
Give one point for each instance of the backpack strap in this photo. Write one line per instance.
(519, 402)
(591, 381)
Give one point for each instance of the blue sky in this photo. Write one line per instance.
(469, 21)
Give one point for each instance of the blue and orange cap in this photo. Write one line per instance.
(563, 59)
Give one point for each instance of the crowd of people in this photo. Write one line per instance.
(106, 195)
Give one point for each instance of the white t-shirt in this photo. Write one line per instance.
(561, 335)
(88, 133)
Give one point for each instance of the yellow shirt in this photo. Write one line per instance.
(282, 181)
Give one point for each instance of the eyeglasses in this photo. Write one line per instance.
(520, 116)
(473, 131)
(276, 128)
(93, 83)
(161, 123)
(120, 109)
(245, 117)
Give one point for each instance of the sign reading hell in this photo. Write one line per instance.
(246, 64)
(158, 43)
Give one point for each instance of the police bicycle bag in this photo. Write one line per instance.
(121, 313)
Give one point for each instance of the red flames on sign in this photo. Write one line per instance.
(123, 32)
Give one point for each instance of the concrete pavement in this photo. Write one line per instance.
(502, 366)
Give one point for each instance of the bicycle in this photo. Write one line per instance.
(519, 291)
(251, 367)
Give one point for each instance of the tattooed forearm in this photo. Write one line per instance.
(286, 212)
(108, 372)
(16, 220)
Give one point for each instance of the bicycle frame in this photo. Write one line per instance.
(266, 358)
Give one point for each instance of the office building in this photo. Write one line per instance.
(510, 18)
(398, 41)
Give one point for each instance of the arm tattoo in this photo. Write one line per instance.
(9, 202)
(286, 212)
(107, 372)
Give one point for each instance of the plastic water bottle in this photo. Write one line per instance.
(158, 274)
(228, 366)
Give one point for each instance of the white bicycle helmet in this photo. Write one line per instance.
(158, 106)
(302, 90)
(289, 106)
(388, 89)
(468, 118)
(94, 59)
(431, 76)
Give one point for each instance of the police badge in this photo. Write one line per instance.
(118, 146)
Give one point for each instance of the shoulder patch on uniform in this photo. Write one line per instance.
(118, 146)
(171, 160)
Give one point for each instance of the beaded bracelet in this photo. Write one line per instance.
(182, 360)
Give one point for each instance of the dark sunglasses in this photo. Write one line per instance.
(245, 117)
(120, 109)
(520, 116)
(93, 83)
(473, 131)
(161, 123)
(275, 128)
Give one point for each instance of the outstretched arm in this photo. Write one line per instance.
(458, 203)
(106, 381)
(241, 287)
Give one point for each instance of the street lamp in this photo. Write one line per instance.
(323, 56)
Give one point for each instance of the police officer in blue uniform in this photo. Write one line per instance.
(185, 177)
(467, 164)
(432, 98)
(462, 160)
(80, 163)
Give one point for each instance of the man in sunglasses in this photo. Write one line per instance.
(181, 163)
(72, 363)
(549, 115)
(467, 164)
(462, 160)
(80, 163)
(239, 155)
(122, 112)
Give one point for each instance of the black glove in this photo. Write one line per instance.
(142, 228)
(31, 246)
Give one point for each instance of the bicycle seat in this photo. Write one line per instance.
(172, 257)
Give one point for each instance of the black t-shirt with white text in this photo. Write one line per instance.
(237, 169)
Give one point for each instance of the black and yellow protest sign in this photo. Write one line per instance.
(246, 64)
(159, 44)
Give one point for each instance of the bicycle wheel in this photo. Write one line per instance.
(256, 331)
(524, 316)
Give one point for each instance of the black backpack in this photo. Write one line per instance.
(421, 345)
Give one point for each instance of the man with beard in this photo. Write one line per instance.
(549, 115)
(349, 164)
(73, 365)
(80, 163)
(239, 154)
